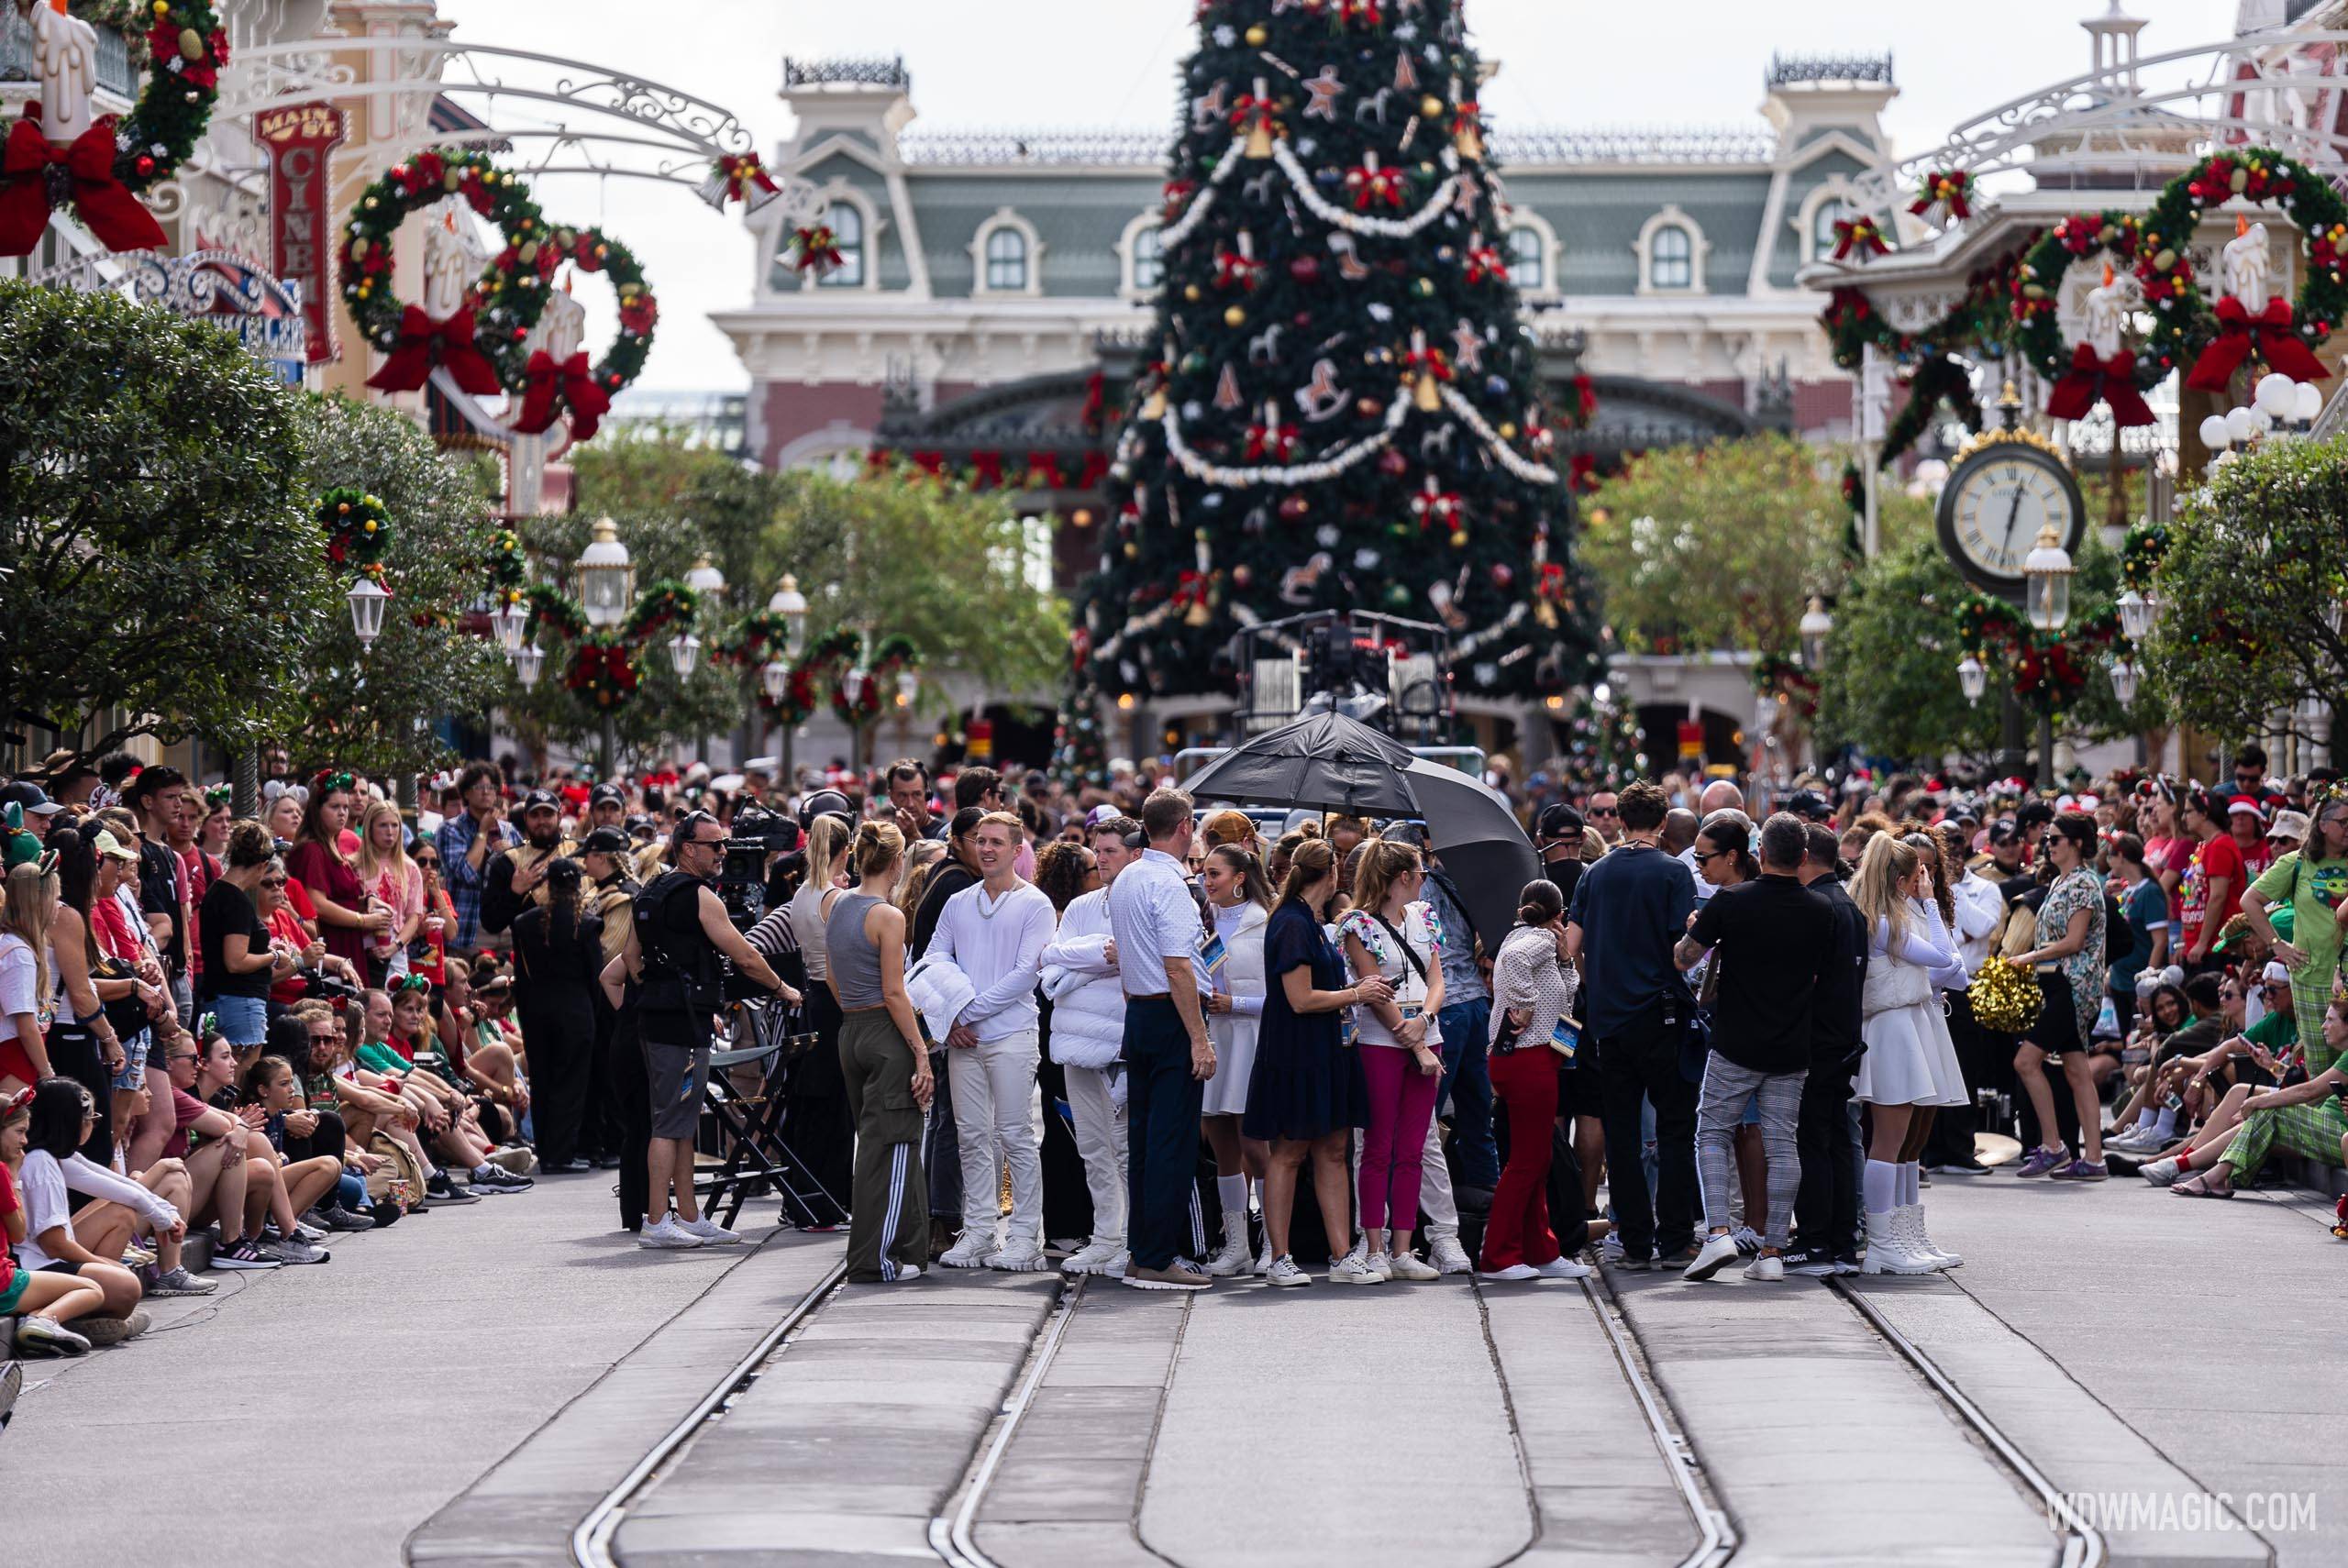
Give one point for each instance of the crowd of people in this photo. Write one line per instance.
(1105, 1031)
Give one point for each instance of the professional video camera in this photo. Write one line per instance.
(743, 879)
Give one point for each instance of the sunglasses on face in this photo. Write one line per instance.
(272, 881)
(1703, 856)
(1604, 812)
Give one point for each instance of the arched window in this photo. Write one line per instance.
(1822, 228)
(1528, 258)
(1149, 259)
(848, 236)
(1671, 257)
(1007, 261)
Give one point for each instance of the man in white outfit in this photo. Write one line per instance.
(1088, 1030)
(995, 934)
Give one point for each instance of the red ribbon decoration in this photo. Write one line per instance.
(1190, 589)
(1234, 270)
(2271, 331)
(1860, 234)
(1251, 113)
(1429, 362)
(549, 384)
(1044, 471)
(1276, 441)
(986, 469)
(1096, 468)
(1364, 11)
(743, 172)
(1483, 262)
(1944, 188)
(2090, 381)
(423, 343)
(111, 213)
(1369, 185)
(818, 249)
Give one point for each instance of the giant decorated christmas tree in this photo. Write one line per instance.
(1343, 409)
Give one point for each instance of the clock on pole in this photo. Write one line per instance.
(2006, 487)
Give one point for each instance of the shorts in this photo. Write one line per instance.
(134, 1061)
(73, 1270)
(244, 1021)
(676, 1074)
(2056, 1029)
(1581, 1091)
(16, 1063)
(13, 1292)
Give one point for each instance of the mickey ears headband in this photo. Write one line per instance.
(275, 788)
(218, 795)
(326, 783)
(17, 1104)
(411, 982)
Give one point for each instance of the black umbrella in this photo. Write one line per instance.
(1484, 852)
(1331, 763)
(1327, 762)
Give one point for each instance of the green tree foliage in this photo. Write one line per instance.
(159, 574)
(1720, 546)
(1889, 686)
(2253, 577)
(373, 710)
(1270, 302)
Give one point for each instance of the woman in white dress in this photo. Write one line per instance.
(1910, 1068)
(1241, 902)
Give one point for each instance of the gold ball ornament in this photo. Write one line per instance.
(368, 524)
(1191, 292)
(1459, 538)
(1235, 316)
(1256, 37)
(1132, 550)
(1430, 107)
(342, 506)
(1508, 432)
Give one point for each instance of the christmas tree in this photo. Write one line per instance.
(1345, 409)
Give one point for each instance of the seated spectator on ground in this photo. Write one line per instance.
(63, 1112)
(42, 1302)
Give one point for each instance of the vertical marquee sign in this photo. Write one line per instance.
(300, 140)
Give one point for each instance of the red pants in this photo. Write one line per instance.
(1525, 1083)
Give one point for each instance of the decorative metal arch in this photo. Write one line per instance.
(633, 127)
(2120, 124)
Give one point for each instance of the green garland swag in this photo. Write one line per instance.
(186, 47)
(2141, 553)
(2049, 668)
(507, 304)
(1937, 379)
(357, 528)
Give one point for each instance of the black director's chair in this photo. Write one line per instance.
(743, 1127)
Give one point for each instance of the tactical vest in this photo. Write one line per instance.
(681, 964)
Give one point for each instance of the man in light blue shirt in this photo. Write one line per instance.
(1168, 1057)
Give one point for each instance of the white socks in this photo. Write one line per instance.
(1880, 1183)
(1910, 1189)
(2165, 1124)
(1232, 1191)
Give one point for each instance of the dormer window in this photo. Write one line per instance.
(1528, 260)
(1007, 261)
(847, 225)
(1671, 257)
(1006, 256)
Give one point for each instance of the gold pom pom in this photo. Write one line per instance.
(2005, 997)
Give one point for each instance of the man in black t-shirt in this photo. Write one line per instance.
(156, 796)
(1628, 910)
(1775, 943)
(1826, 1209)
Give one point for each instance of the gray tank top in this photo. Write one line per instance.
(854, 961)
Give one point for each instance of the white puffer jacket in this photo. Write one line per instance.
(1088, 1003)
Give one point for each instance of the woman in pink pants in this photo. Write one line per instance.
(1391, 933)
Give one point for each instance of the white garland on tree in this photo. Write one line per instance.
(1174, 234)
(1530, 472)
(1476, 639)
(1316, 472)
(1328, 212)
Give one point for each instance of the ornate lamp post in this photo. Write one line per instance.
(708, 584)
(2046, 602)
(528, 658)
(1972, 678)
(367, 598)
(1815, 627)
(791, 605)
(606, 584)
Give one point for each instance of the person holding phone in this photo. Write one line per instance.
(1392, 934)
(1533, 1036)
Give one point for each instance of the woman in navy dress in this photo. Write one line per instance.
(1305, 1093)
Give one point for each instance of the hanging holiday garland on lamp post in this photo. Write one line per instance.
(2049, 669)
(509, 301)
(356, 532)
(101, 171)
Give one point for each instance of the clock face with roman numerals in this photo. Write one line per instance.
(1996, 504)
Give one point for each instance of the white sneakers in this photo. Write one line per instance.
(1563, 1268)
(1283, 1272)
(1766, 1268)
(1355, 1269)
(711, 1232)
(1022, 1256)
(1405, 1265)
(970, 1252)
(1515, 1272)
(668, 1234)
(1449, 1256)
(2160, 1172)
(1889, 1253)
(1716, 1254)
(1097, 1257)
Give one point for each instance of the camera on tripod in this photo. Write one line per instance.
(742, 877)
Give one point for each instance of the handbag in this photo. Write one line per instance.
(126, 1015)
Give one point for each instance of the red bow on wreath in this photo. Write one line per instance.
(818, 249)
(1274, 441)
(1371, 183)
(2089, 380)
(423, 343)
(551, 384)
(1860, 234)
(2271, 331)
(85, 181)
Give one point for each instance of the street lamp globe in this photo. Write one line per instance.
(1972, 678)
(606, 576)
(908, 686)
(2276, 395)
(2123, 681)
(507, 620)
(791, 605)
(684, 652)
(526, 661)
(852, 684)
(2307, 402)
(2046, 571)
(1814, 628)
(2216, 433)
(2135, 615)
(367, 598)
(704, 579)
(775, 676)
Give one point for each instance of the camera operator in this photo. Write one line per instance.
(681, 930)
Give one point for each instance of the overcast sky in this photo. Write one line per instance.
(1112, 63)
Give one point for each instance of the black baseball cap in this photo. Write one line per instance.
(31, 797)
(1809, 805)
(537, 800)
(603, 792)
(2003, 831)
(1558, 819)
(604, 841)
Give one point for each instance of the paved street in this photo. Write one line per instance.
(496, 1370)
